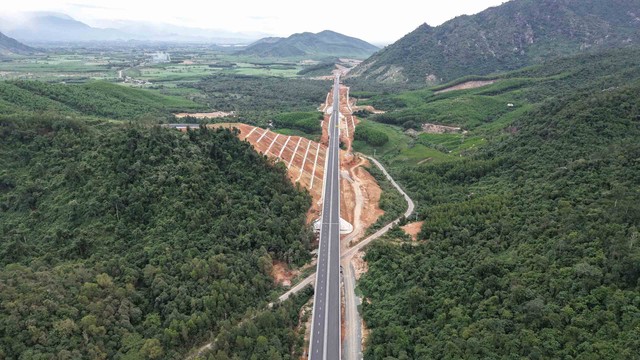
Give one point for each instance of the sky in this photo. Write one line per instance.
(368, 20)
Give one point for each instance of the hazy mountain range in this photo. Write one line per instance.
(47, 27)
(507, 37)
(325, 43)
(10, 46)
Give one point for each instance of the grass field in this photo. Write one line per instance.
(400, 147)
(293, 132)
(98, 98)
(63, 67)
(483, 113)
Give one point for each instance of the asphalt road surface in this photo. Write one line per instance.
(325, 326)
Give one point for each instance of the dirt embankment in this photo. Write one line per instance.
(306, 317)
(282, 274)
(360, 193)
(359, 265)
(368, 108)
(441, 129)
(413, 229)
(371, 193)
(467, 85)
(209, 115)
(304, 159)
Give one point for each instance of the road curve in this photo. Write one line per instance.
(410, 208)
(353, 339)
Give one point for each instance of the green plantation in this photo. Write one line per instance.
(306, 122)
(100, 99)
(258, 100)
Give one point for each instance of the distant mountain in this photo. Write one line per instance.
(325, 43)
(174, 33)
(43, 27)
(10, 46)
(54, 27)
(510, 36)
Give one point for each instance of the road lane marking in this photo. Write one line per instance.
(324, 253)
(331, 185)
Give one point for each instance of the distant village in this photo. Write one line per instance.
(158, 57)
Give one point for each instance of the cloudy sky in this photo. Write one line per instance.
(368, 20)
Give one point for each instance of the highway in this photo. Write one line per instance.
(325, 343)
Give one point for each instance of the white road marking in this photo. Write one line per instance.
(315, 163)
(295, 152)
(332, 184)
(250, 132)
(284, 146)
(273, 142)
(263, 135)
(304, 162)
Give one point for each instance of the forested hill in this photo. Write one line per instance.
(98, 99)
(529, 247)
(325, 44)
(123, 242)
(10, 46)
(507, 37)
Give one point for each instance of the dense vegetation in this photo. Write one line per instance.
(321, 45)
(508, 37)
(322, 69)
(258, 99)
(129, 242)
(307, 122)
(391, 201)
(270, 334)
(97, 98)
(369, 134)
(529, 247)
(486, 113)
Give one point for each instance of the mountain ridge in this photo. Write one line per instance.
(49, 27)
(513, 35)
(9, 45)
(324, 43)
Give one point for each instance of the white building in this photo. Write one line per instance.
(160, 57)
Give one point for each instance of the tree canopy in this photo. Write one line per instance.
(130, 242)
